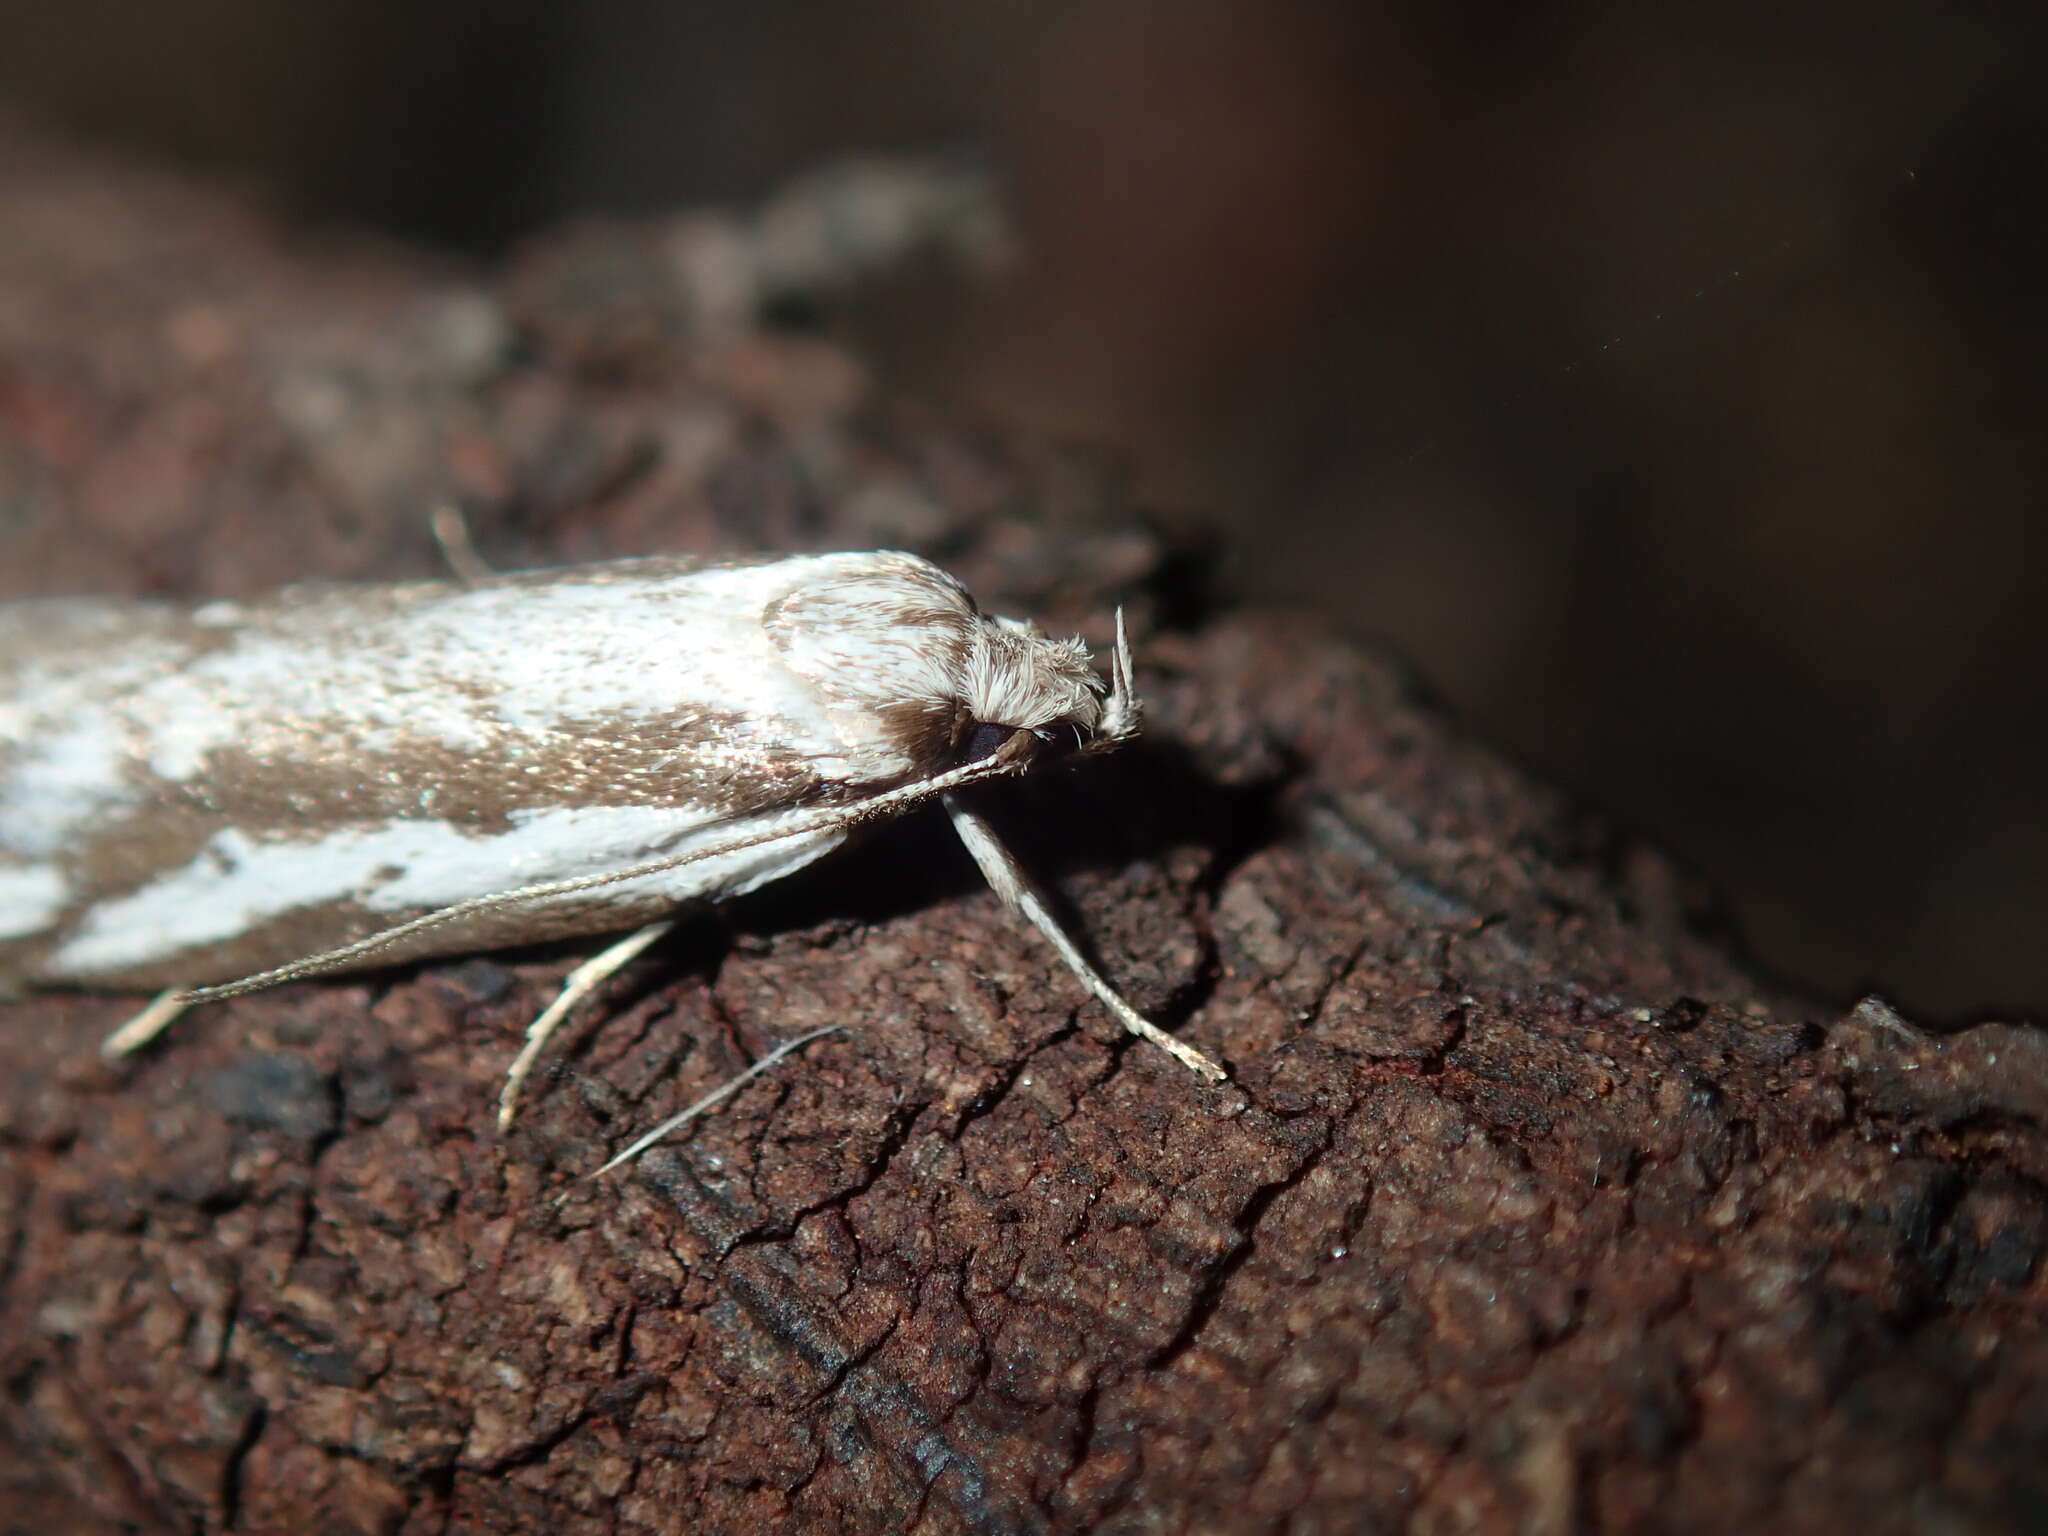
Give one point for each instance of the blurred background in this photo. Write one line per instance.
(1667, 386)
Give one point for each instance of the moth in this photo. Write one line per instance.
(212, 798)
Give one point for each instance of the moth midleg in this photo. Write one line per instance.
(458, 549)
(576, 986)
(162, 1012)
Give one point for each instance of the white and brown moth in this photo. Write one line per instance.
(225, 796)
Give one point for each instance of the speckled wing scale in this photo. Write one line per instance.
(337, 777)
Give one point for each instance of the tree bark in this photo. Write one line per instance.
(1528, 1207)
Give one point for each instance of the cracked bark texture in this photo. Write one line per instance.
(1528, 1208)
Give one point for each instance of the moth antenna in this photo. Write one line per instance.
(795, 824)
(1007, 878)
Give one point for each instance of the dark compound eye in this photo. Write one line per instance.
(983, 741)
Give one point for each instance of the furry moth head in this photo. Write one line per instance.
(897, 648)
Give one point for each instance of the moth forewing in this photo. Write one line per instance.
(225, 796)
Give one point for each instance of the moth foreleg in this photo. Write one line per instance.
(1006, 877)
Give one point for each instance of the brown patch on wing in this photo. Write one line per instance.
(301, 780)
(311, 771)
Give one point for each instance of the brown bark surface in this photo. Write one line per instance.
(1527, 1209)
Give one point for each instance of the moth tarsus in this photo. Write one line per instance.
(221, 797)
(723, 1091)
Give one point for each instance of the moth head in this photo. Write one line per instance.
(1026, 696)
(902, 658)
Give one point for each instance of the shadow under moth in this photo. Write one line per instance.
(212, 798)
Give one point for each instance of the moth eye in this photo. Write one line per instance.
(983, 741)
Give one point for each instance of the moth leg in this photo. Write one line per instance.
(131, 1037)
(1009, 881)
(576, 986)
(458, 549)
(725, 1089)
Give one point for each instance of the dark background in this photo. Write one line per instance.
(1667, 386)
